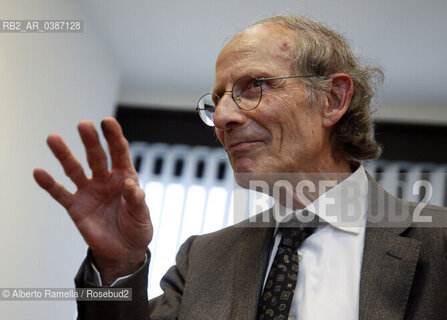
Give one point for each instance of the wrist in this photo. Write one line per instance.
(112, 270)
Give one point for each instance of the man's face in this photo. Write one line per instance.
(285, 132)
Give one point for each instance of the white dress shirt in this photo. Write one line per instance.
(328, 281)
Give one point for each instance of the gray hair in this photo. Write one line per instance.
(319, 50)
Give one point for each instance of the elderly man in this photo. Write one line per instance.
(289, 101)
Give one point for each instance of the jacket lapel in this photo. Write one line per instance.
(249, 273)
(389, 259)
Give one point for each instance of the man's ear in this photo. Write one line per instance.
(338, 98)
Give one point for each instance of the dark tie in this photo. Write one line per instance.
(281, 282)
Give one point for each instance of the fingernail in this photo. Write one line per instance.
(129, 182)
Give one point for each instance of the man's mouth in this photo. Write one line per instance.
(241, 146)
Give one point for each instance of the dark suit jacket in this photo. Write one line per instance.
(220, 275)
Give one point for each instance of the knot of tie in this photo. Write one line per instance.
(293, 237)
(295, 232)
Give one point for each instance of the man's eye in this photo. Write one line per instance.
(258, 83)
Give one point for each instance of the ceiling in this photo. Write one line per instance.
(172, 45)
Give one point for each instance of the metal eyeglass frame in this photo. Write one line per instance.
(237, 98)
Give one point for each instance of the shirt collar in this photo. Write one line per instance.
(343, 206)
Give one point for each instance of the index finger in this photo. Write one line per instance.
(56, 190)
(118, 144)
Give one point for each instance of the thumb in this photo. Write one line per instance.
(134, 197)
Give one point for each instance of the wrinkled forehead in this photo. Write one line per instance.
(267, 43)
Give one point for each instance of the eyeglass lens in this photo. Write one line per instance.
(246, 93)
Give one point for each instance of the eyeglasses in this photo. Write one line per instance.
(246, 93)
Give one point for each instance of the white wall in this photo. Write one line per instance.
(48, 82)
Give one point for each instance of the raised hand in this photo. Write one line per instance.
(108, 209)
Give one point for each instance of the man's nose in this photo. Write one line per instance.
(228, 114)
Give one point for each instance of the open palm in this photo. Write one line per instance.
(108, 209)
